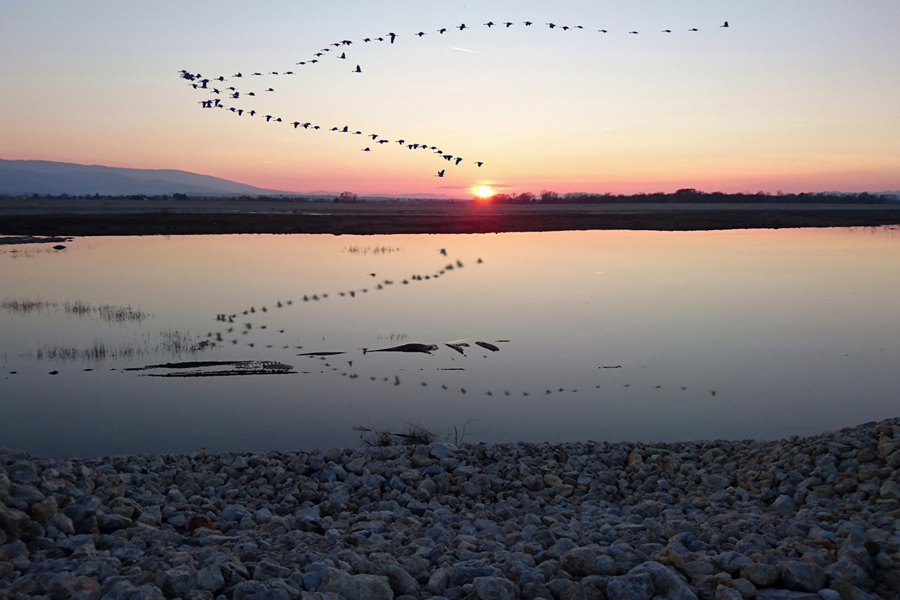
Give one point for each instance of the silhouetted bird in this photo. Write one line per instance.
(602, 30)
(393, 35)
(357, 70)
(479, 163)
(343, 56)
(442, 30)
(489, 24)
(421, 33)
(296, 124)
(237, 75)
(552, 25)
(695, 29)
(366, 150)
(527, 23)
(508, 23)
(634, 32)
(461, 27)
(667, 31)
(725, 25)
(440, 173)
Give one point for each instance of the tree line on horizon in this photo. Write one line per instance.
(691, 195)
(685, 195)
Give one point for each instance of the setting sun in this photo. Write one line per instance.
(484, 191)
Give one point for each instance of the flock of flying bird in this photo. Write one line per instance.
(238, 327)
(222, 95)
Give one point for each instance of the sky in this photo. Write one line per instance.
(792, 96)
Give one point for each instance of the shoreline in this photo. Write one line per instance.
(86, 217)
(804, 518)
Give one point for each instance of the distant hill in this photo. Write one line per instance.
(18, 177)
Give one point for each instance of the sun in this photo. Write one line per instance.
(484, 192)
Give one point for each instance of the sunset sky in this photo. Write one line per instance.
(793, 96)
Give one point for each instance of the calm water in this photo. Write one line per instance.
(603, 335)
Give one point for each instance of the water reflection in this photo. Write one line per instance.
(550, 336)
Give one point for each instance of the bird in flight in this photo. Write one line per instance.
(489, 24)
(440, 173)
(479, 163)
(527, 23)
(508, 23)
(358, 70)
(442, 30)
(725, 25)
(392, 35)
(461, 27)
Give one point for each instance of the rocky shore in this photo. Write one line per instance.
(803, 518)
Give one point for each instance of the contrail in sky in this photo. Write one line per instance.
(463, 50)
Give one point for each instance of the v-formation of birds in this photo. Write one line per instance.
(244, 330)
(232, 92)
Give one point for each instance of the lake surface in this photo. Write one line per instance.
(599, 335)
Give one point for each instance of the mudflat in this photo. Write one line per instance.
(125, 216)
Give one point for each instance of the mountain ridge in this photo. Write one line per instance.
(53, 178)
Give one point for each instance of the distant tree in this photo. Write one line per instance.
(179, 197)
(346, 198)
(687, 195)
(548, 197)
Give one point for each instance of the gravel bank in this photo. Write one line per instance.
(804, 518)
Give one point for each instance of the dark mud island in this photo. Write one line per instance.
(812, 518)
(162, 216)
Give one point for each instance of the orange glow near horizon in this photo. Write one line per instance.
(484, 192)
